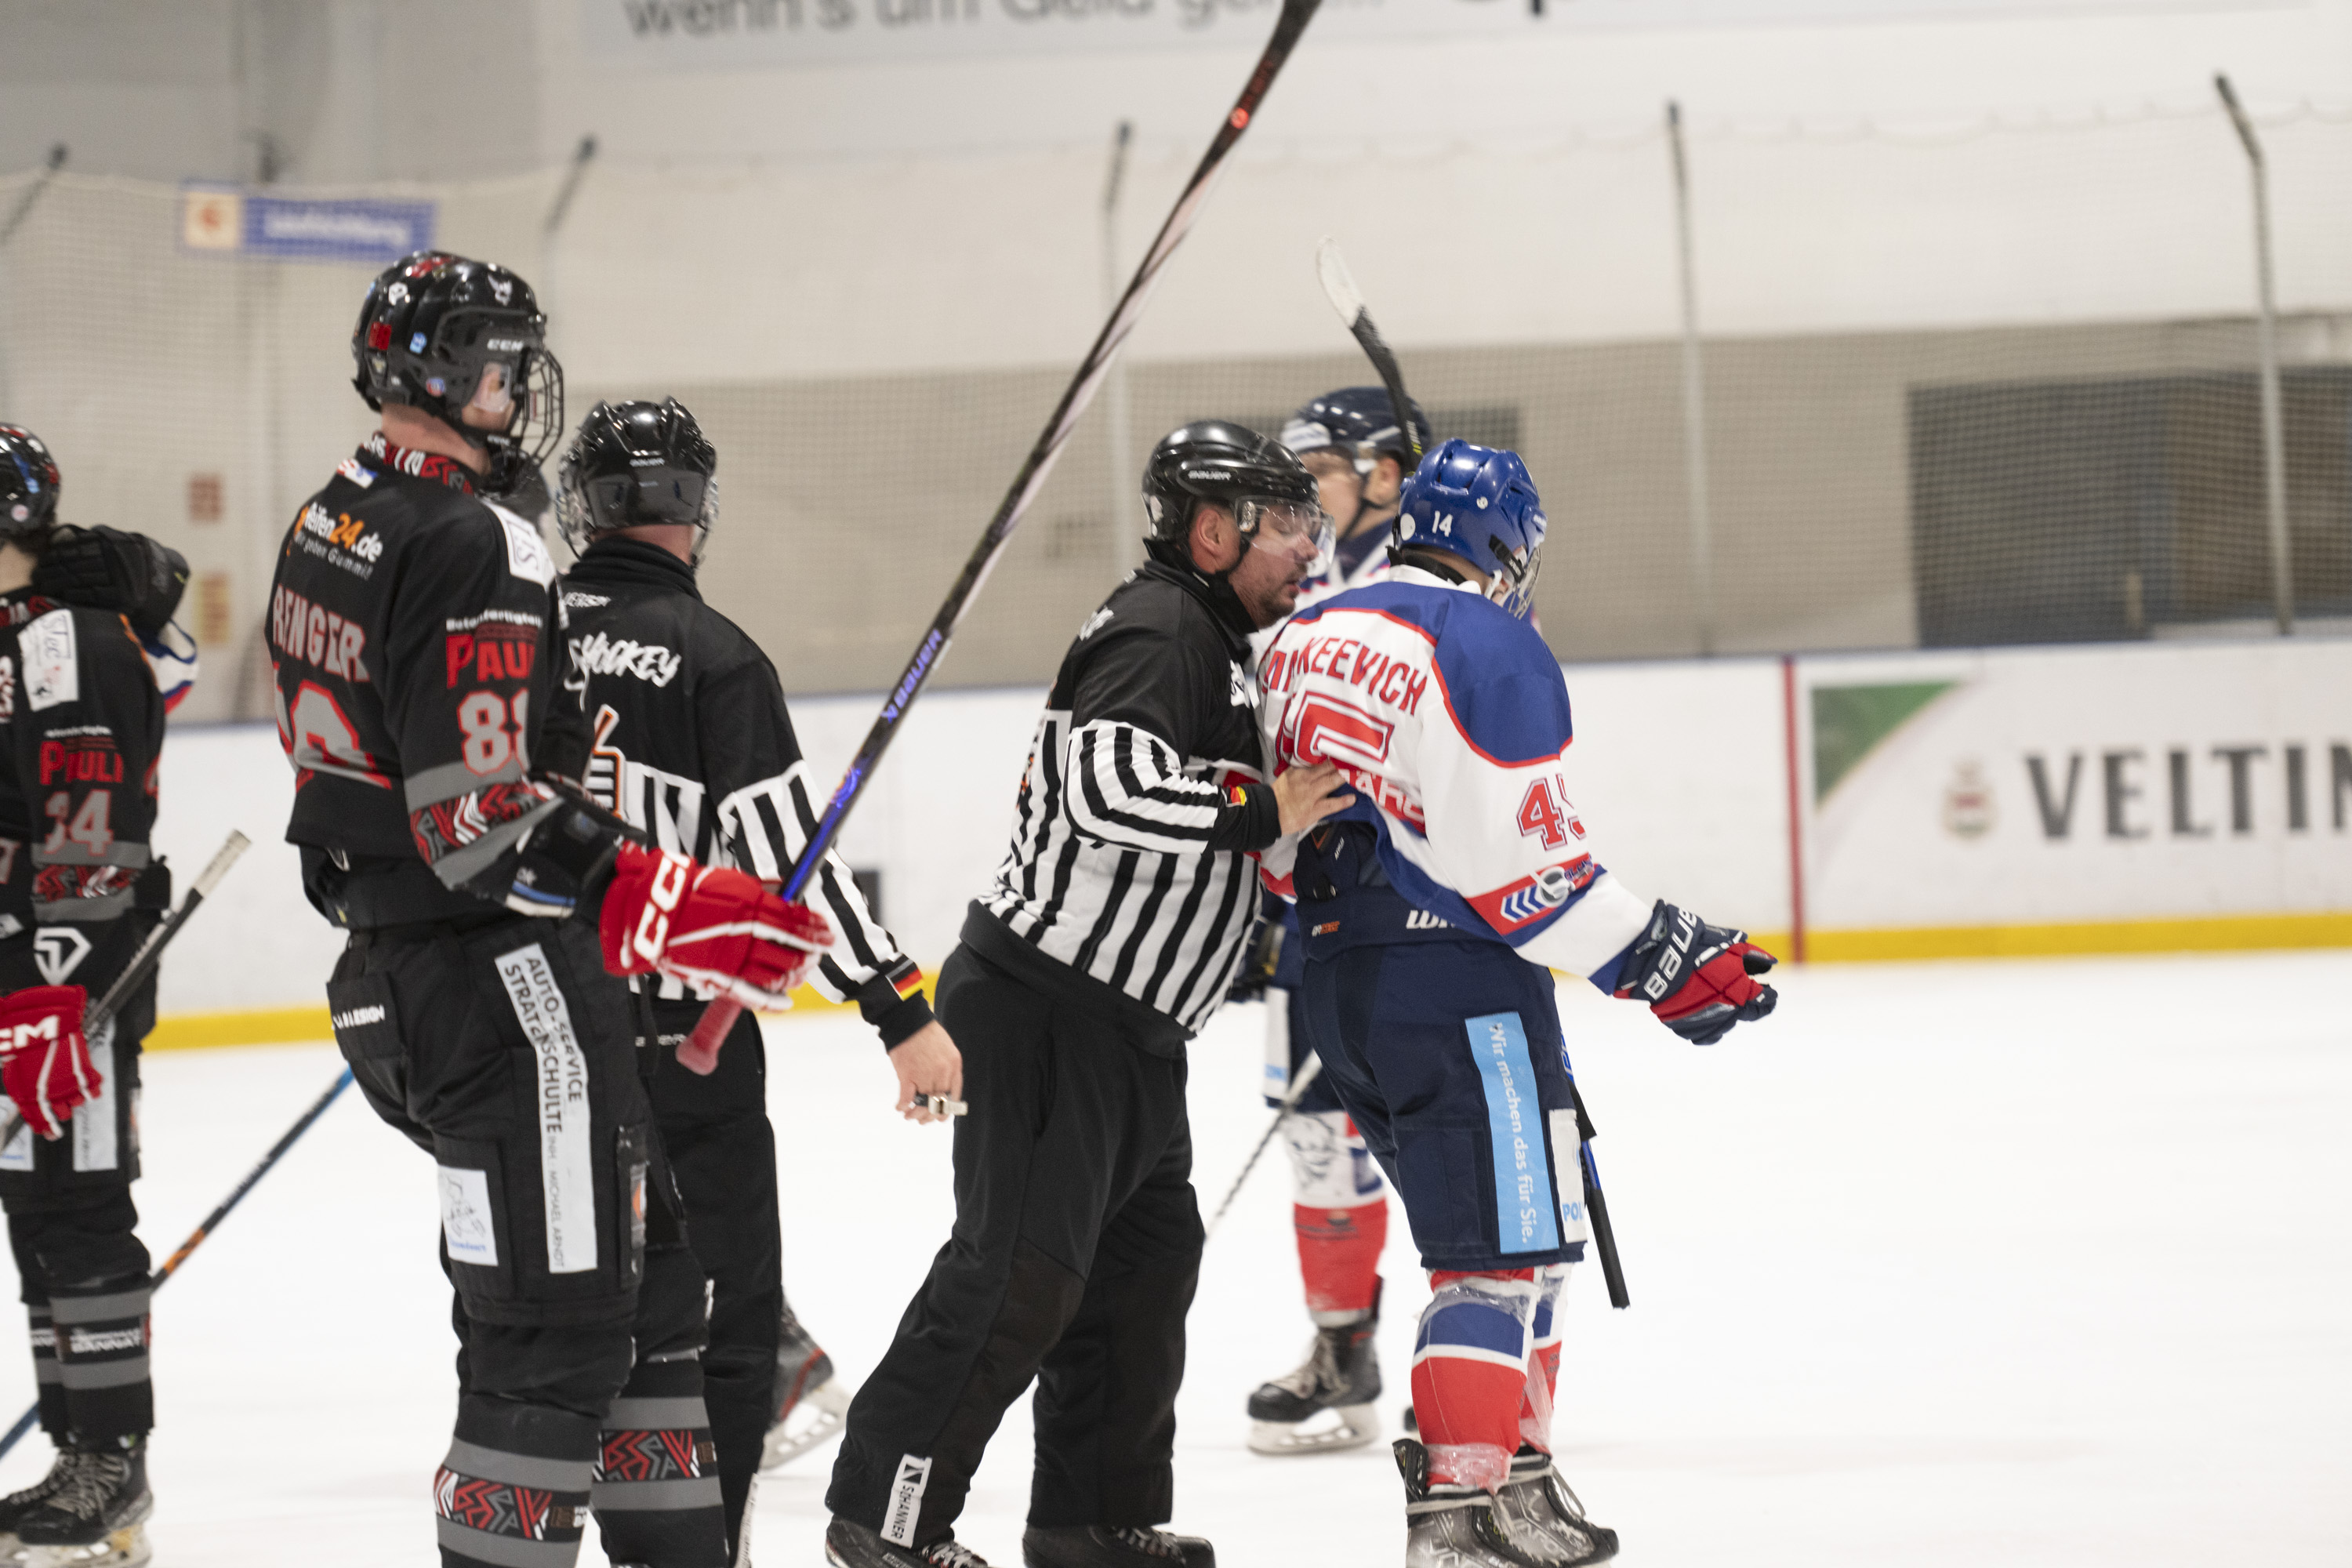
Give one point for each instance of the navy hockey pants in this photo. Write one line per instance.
(1448, 1056)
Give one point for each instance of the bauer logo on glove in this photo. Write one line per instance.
(1699, 979)
(44, 1060)
(712, 928)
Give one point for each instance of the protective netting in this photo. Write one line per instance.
(1996, 385)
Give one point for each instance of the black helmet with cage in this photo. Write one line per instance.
(28, 484)
(439, 333)
(634, 463)
(1256, 477)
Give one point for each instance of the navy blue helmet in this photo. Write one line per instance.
(1358, 421)
(1477, 502)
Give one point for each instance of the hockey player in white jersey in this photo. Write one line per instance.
(1359, 454)
(1433, 908)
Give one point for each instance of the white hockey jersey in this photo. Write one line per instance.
(1451, 719)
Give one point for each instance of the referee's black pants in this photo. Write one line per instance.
(1076, 1249)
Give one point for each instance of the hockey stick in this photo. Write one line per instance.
(211, 1222)
(700, 1052)
(1596, 1201)
(1290, 1103)
(143, 962)
(49, 167)
(1339, 287)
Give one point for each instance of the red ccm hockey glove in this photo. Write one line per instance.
(44, 1060)
(715, 929)
(1699, 979)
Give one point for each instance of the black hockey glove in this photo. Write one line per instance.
(1257, 972)
(107, 569)
(1699, 979)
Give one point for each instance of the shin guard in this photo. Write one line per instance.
(655, 1492)
(1470, 1373)
(513, 1492)
(1339, 1208)
(1543, 1364)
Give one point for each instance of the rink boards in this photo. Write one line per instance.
(1970, 803)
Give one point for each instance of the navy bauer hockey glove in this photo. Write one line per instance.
(1699, 979)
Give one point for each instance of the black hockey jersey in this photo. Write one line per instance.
(1133, 845)
(81, 731)
(414, 635)
(692, 744)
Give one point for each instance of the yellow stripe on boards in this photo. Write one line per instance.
(2212, 933)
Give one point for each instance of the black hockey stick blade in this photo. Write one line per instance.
(16, 1434)
(1339, 287)
(1605, 1236)
(1031, 477)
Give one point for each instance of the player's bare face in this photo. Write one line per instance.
(1338, 487)
(1283, 551)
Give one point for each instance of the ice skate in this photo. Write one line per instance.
(1342, 1376)
(17, 1505)
(1538, 1512)
(811, 1401)
(851, 1545)
(1449, 1526)
(96, 1516)
(1113, 1546)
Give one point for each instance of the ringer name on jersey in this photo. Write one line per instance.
(302, 630)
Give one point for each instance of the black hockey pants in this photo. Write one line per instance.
(505, 1051)
(1076, 1249)
(723, 1152)
(81, 1268)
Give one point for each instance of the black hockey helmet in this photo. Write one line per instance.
(1255, 476)
(28, 484)
(433, 327)
(637, 463)
(1359, 421)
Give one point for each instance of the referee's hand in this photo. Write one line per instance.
(1307, 795)
(927, 1062)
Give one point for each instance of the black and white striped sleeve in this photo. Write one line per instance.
(765, 822)
(1135, 719)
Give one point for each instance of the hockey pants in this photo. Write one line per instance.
(723, 1152)
(504, 1050)
(1075, 1250)
(81, 1268)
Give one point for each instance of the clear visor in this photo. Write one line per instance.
(1302, 527)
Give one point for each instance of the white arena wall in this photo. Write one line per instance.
(2112, 798)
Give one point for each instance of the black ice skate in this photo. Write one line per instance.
(17, 1505)
(1452, 1526)
(1546, 1520)
(811, 1403)
(1342, 1375)
(1113, 1546)
(97, 1516)
(850, 1546)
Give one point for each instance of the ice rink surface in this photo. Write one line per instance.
(2037, 1263)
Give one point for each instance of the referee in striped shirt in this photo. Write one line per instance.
(1114, 927)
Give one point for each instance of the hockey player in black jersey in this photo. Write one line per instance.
(694, 746)
(437, 740)
(81, 726)
(1115, 925)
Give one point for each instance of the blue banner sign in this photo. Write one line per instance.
(303, 228)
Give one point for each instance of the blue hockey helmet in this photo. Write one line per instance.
(1477, 502)
(1359, 421)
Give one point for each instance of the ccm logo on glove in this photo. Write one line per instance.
(44, 1061)
(716, 929)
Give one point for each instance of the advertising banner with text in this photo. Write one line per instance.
(2033, 787)
(741, 35)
